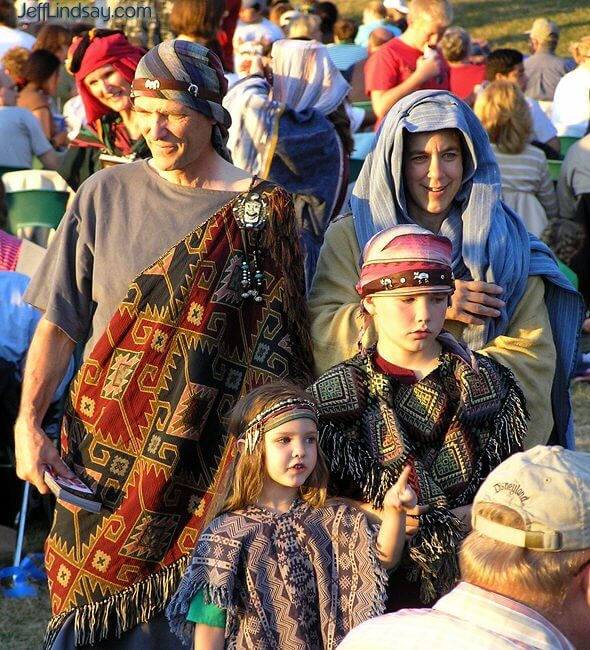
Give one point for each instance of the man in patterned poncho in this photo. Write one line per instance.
(170, 345)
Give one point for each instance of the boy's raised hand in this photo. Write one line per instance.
(401, 496)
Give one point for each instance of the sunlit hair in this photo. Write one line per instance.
(14, 60)
(345, 30)
(539, 579)
(455, 44)
(564, 237)
(52, 37)
(249, 470)
(304, 27)
(199, 19)
(376, 8)
(580, 50)
(502, 109)
(430, 11)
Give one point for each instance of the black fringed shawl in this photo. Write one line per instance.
(452, 427)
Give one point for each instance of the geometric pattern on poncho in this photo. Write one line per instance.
(144, 425)
(295, 581)
(452, 428)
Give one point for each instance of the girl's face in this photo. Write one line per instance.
(433, 173)
(109, 87)
(291, 451)
(407, 325)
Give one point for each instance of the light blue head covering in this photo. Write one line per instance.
(490, 242)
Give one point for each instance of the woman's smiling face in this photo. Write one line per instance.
(433, 173)
(109, 87)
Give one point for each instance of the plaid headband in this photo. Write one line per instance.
(275, 416)
(184, 72)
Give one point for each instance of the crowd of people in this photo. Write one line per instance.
(317, 411)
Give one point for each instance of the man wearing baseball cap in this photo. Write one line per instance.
(544, 68)
(525, 566)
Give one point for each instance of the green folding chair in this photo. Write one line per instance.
(366, 106)
(565, 142)
(554, 169)
(35, 208)
(36, 202)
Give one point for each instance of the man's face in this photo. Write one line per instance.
(432, 31)
(8, 91)
(516, 76)
(176, 135)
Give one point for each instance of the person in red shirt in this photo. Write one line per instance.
(411, 61)
(455, 46)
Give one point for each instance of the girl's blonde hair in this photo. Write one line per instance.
(502, 109)
(249, 468)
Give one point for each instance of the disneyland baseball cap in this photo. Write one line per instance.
(543, 29)
(549, 487)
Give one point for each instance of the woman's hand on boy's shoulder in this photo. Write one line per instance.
(474, 300)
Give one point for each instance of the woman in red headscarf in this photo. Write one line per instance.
(103, 64)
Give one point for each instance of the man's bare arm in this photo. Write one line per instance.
(383, 100)
(47, 362)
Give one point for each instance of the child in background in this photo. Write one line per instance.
(419, 399)
(282, 567)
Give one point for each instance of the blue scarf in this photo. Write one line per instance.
(490, 242)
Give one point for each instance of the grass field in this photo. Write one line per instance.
(504, 22)
(22, 621)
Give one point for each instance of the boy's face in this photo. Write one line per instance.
(408, 324)
(516, 76)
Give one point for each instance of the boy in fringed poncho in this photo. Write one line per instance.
(417, 398)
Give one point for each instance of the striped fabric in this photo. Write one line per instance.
(527, 187)
(490, 242)
(9, 251)
(467, 618)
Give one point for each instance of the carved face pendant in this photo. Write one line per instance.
(251, 211)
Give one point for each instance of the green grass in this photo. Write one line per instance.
(503, 22)
(22, 621)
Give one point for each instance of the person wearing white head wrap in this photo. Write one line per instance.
(291, 127)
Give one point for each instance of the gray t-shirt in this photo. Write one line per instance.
(21, 136)
(544, 70)
(121, 220)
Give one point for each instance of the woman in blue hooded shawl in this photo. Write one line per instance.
(533, 329)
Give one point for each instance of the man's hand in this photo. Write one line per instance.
(473, 301)
(47, 362)
(427, 68)
(33, 451)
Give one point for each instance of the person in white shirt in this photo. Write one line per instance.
(525, 566)
(506, 63)
(571, 103)
(9, 36)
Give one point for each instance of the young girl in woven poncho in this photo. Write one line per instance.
(419, 399)
(282, 567)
